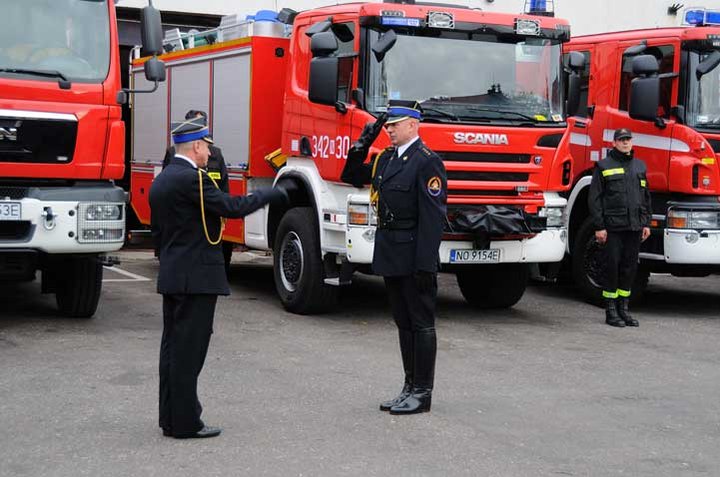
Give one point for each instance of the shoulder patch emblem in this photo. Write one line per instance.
(434, 186)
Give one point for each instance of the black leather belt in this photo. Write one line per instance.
(397, 224)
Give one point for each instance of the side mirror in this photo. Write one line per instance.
(382, 46)
(645, 65)
(573, 99)
(323, 44)
(151, 31)
(155, 70)
(644, 98)
(708, 64)
(324, 77)
(576, 61)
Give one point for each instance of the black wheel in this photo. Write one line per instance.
(297, 264)
(494, 286)
(79, 285)
(589, 267)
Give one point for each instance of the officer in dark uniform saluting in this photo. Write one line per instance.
(620, 206)
(187, 210)
(216, 169)
(409, 191)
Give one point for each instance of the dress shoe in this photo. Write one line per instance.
(206, 431)
(419, 401)
(387, 405)
(624, 312)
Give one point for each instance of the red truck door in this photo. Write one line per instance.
(652, 142)
(581, 124)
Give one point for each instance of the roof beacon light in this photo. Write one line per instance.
(544, 8)
(527, 27)
(701, 16)
(440, 20)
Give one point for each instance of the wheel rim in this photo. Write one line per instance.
(291, 261)
(594, 261)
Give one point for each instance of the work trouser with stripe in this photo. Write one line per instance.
(621, 254)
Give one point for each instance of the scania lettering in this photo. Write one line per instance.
(286, 109)
(61, 146)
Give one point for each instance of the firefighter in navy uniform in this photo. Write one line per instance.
(409, 191)
(620, 206)
(216, 169)
(187, 211)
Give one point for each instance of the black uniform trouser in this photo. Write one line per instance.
(621, 252)
(414, 313)
(187, 326)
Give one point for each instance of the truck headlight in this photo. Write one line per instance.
(555, 216)
(693, 219)
(361, 214)
(91, 211)
(100, 222)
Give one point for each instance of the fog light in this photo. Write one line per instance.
(692, 237)
(369, 235)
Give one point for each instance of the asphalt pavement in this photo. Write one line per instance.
(543, 389)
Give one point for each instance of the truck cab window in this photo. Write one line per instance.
(665, 55)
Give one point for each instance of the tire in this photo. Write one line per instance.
(298, 267)
(589, 268)
(494, 286)
(79, 286)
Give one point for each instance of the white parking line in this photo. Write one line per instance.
(132, 277)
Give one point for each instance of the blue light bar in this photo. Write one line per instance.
(701, 16)
(398, 21)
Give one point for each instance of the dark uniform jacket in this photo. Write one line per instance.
(619, 197)
(188, 263)
(216, 166)
(411, 208)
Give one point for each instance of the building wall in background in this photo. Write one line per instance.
(585, 16)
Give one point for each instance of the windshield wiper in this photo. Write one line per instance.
(440, 112)
(499, 112)
(63, 81)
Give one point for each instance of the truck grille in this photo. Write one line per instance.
(37, 140)
(487, 176)
(484, 193)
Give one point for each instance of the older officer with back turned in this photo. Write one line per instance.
(187, 211)
(409, 191)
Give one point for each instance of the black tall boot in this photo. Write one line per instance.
(406, 351)
(612, 317)
(624, 312)
(420, 397)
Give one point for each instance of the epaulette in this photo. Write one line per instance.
(426, 151)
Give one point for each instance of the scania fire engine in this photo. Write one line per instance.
(287, 108)
(62, 145)
(663, 85)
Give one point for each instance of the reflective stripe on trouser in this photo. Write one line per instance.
(610, 295)
(621, 256)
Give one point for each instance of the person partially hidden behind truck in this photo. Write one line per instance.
(621, 209)
(217, 170)
(187, 211)
(409, 192)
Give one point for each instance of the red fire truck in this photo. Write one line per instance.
(664, 85)
(287, 107)
(62, 144)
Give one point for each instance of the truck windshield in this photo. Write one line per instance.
(703, 95)
(70, 37)
(469, 77)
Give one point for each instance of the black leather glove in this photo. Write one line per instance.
(369, 133)
(425, 281)
(277, 196)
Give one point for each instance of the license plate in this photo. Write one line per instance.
(10, 211)
(475, 256)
